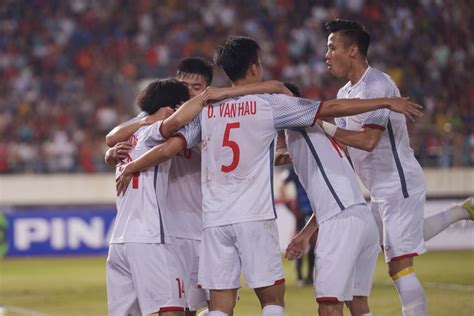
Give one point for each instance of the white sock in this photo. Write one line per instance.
(412, 295)
(435, 224)
(217, 313)
(273, 310)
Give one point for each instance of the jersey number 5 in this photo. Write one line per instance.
(226, 142)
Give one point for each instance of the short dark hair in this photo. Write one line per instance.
(162, 93)
(293, 88)
(353, 33)
(236, 56)
(196, 65)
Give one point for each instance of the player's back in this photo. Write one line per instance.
(184, 201)
(140, 209)
(237, 167)
(391, 168)
(237, 138)
(324, 171)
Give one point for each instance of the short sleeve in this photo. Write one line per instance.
(292, 112)
(152, 135)
(190, 133)
(379, 89)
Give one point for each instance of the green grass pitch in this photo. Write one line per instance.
(76, 286)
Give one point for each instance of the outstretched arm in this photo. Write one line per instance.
(123, 131)
(152, 157)
(366, 139)
(185, 114)
(348, 107)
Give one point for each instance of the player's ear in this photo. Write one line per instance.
(353, 50)
(253, 70)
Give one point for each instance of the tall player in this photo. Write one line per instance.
(237, 167)
(184, 199)
(144, 272)
(380, 150)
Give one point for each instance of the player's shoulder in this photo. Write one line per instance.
(378, 78)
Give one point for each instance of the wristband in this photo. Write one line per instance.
(329, 128)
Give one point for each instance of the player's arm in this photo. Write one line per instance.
(271, 86)
(282, 156)
(348, 107)
(115, 154)
(298, 245)
(152, 157)
(185, 114)
(366, 139)
(123, 131)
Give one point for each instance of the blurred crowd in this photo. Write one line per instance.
(70, 70)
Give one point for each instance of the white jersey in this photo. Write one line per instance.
(140, 210)
(324, 172)
(184, 202)
(391, 169)
(237, 153)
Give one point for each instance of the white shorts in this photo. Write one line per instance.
(250, 246)
(144, 279)
(346, 254)
(189, 250)
(400, 224)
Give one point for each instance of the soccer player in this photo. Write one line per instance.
(379, 148)
(144, 272)
(184, 199)
(237, 168)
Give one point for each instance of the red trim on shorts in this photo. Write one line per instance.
(317, 113)
(380, 127)
(280, 281)
(181, 136)
(409, 255)
(172, 309)
(326, 299)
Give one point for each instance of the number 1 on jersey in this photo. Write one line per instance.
(226, 142)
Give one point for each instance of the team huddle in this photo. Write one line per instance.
(195, 202)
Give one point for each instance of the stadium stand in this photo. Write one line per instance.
(69, 69)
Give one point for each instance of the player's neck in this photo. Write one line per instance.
(357, 71)
(245, 81)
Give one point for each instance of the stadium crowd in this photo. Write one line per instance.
(70, 69)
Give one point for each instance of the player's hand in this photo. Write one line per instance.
(122, 180)
(297, 247)
(403, 105)
(120, 151)
(159, 115)
(217, 94)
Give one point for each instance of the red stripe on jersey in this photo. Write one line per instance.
(335, 144)
(280, 281)
(326, 299)
(408, 255)
(172, 309)
(317, 113)
(199, 286)
(135, 180)
(380, 127)
(181, 136)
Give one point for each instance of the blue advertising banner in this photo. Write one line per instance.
(44, 232)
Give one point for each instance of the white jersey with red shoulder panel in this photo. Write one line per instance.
(237, 153)
(391, 169)
(140, 209)
(324, 172)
